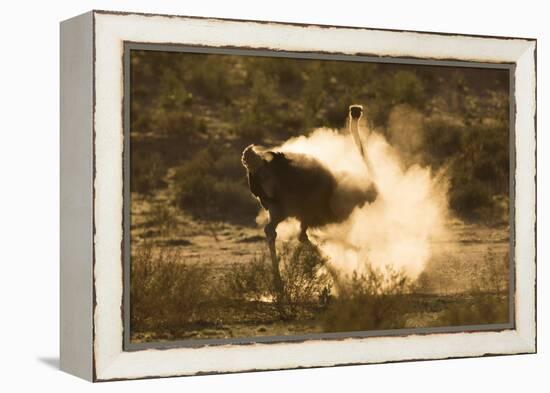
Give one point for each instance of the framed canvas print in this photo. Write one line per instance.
(246, 195)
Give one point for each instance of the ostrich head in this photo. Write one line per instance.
(355, 111)
(251, 158)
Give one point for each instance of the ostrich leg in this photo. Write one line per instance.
(271, 233)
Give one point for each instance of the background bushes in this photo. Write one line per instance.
(184, 103)
(166, 293)
(212, 185)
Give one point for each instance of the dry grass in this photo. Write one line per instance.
(489, 288)
(307, 284)
(368, 301)
(165, 293)
(486, 309)
(172, 299)
(162, 217)
(249, 281)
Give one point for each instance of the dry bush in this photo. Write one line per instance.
(492, 276)
(369, 301)
(162, 217)
(449, 274)
(489, 288)
(484, 309)
(306, 283)
(190, 100)
(305, 280)
(165, 292)
(147, 173)
(212, 185)
(249, 281)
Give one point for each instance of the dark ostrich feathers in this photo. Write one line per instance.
(300, 186)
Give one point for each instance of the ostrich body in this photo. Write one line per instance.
(292, 185)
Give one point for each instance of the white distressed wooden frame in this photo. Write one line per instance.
(92, 195)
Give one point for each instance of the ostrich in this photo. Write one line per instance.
(299, 186)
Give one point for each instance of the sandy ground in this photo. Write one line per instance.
(473, 258)
(456, 260)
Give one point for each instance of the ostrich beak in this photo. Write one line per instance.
(355, 111)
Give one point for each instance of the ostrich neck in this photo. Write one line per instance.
(354, 131)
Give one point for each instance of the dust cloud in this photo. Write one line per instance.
(397, 229)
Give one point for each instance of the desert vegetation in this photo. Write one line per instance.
(455, 117)
(174, 300)
(199, 267)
